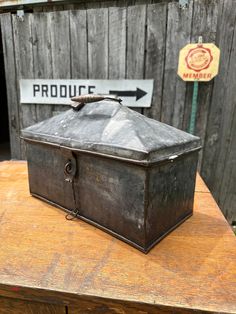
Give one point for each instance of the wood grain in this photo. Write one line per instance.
(60, 45)
(226, 191)
(49, 259)
(117, 42)
(8, 306)
(60, 42)
(136, 20)
(155, 55)
(179, 24)
(220, 120)
(24, 68)
(227, 195)
(24, 61)
(204, 23)
(79, 44)
(97, 43)
(11, 84)
(224, 42)
(42, 57)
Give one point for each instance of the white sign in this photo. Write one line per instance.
(134, 93)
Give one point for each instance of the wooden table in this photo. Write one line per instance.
(51, 265)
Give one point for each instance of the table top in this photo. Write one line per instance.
(194, 267)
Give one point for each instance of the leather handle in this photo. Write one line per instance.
(85, 99)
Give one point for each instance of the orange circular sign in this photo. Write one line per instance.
(198, 58)
(198, 62)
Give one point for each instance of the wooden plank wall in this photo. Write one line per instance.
(133, 39)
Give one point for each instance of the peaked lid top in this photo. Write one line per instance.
(107, 127)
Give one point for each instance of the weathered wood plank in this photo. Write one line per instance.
(78, 44)
(42, 56)
(60, 41)
(136, 20)
(178, 35)
(120, 307)
(41, 45)
(9, 306)
(155, 55)
(226, 161)
(117, 43)
(227, 194)
(24, 62)
(59, 24)
(24, 65)
(219, 119)
(204, 24)
(97, 43)
(11, 84)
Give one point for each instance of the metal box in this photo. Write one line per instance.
(129, 175)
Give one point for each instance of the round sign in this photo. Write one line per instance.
(198, 62)
(198, 58)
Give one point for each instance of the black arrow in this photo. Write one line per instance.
(139, 93)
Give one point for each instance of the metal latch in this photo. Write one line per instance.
(70, 171)
(70, 165)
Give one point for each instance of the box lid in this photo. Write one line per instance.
(107, 127)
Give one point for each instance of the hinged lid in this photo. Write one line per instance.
(107, 127)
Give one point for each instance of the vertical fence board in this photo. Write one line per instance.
(11, 84)
(24, 65)
(79, 51)
(24, 61)
(178, 35)
(60, 41)
(227, 195)
(17, 306)
(117, 43)
(215, 144)
(136, 21)
(60, 45)
(204, 23)
(42, 57)
(97, 43)
(226, 161)
(155, 55)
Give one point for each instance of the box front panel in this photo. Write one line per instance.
(111, 193)
(46, 174)
(170, 195)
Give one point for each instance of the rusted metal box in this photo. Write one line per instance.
(129, 175)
